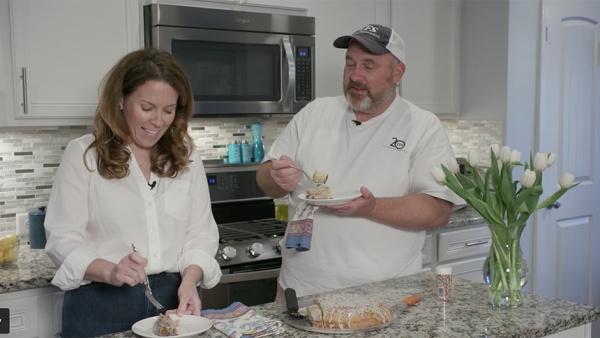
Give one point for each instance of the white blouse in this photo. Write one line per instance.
(90, 217)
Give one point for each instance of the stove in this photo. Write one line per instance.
(250, 238)
(251, 241)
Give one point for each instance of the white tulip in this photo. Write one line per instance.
(473, 158)
(505, 154)
(551, 158)
(540, 161)
(566, 181)
(499, 165)
(438, 175)
(453, 165)
(528, 178)
(496, 150)
(515, 156)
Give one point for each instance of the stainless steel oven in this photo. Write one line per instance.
(250, 238)
(238, 62)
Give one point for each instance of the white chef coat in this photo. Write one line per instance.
(391, 155)
(90, 217)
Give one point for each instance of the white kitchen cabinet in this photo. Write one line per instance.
(60, 50)
(431, 33)
(334, 18)
(464, 249)
(31, 312)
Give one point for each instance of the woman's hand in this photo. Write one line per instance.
(189, 302)
(130, 270)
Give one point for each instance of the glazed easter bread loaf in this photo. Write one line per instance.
(347, 311)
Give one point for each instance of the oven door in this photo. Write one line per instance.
(244, 285)
(234, 72)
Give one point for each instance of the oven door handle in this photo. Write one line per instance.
(248, 276)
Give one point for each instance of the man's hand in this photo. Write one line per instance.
(359, 207)
(285, 177)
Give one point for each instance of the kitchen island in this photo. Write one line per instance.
(466, 315)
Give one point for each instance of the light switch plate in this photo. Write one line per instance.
(22, 224)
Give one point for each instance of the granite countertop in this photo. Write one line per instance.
(34, 269)
(466, 315)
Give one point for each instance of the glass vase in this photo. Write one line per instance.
(505, 270)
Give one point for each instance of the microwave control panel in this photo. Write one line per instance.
(303, 74)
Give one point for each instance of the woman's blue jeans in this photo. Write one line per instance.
(98, 309)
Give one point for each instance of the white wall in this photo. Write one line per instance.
(484, 42)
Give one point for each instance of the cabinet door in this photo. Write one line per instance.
(63, 48)
(23, 316)
(431, 33)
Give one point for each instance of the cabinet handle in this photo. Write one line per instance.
(474, 244)
(291, 75)
(24, 77)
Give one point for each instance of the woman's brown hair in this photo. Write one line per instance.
(170, 154)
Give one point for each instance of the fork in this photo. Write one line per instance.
(302, 171)
(147, 284)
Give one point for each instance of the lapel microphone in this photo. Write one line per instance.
(152, 185)
(357, 122)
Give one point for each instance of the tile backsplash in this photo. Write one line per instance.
(29, 159)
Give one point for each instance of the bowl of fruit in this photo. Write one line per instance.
(9, 249)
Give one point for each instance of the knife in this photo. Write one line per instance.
(292, 303)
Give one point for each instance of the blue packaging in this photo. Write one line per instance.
(246, 155)
(235, 153)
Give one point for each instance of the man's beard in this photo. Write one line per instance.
(372, 101)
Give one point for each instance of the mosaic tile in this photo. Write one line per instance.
(30, 158)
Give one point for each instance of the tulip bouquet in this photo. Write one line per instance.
(505, 209)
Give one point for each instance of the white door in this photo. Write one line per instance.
(567, 254)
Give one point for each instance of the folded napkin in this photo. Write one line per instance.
(300, 228)
(239, 321)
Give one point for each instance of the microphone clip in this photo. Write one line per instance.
(152, 185)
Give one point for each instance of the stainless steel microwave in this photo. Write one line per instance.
(238, 62)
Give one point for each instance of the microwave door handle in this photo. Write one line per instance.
(291, 75)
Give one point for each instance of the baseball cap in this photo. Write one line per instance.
(377, 39)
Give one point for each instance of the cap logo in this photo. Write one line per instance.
(370, 28)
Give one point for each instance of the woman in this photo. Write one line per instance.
(136, 180)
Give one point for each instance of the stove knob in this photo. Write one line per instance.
(277, 247)
(228, 253)
(255, 250)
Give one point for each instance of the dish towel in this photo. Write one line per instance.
(300, 228)
(239, 321)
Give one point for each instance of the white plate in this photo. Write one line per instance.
(341, 197)
(188, 326)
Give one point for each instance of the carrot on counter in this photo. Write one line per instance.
(412, 299)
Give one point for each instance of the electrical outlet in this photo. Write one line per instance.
(22, 224)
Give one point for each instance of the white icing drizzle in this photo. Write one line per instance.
(346, 305)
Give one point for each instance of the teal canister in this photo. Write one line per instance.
(235, 152)
(246, 153)
(37, 233)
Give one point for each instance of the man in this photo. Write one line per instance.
(373, 140)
